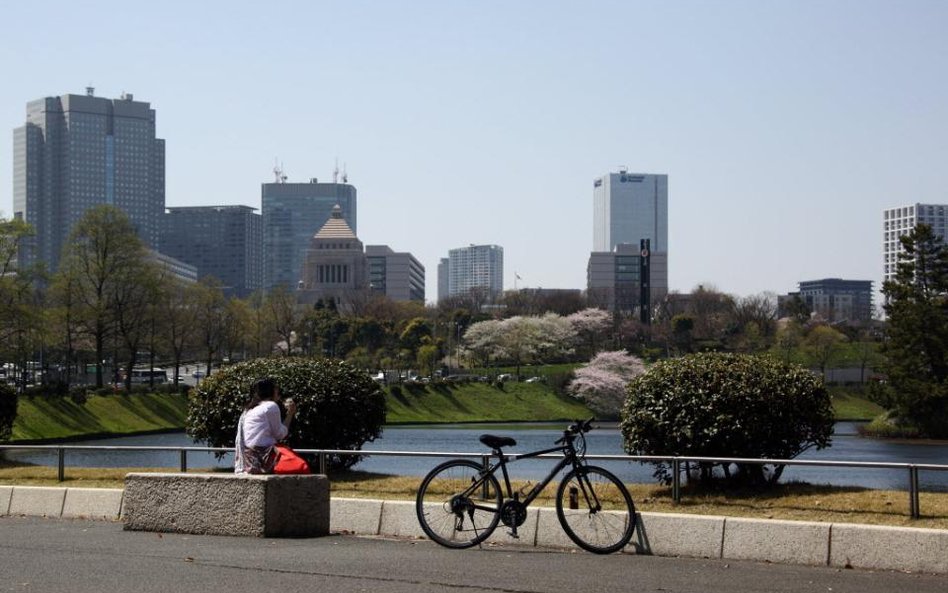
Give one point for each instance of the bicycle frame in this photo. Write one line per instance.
(569, 459)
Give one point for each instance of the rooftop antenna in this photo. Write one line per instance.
(278, 174)
(335, 172)
(345, 176)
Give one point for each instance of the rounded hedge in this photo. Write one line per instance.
(8, 400)
(727, 405)
(338, 405)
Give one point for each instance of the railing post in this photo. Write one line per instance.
(913, 493)
(62, 465)
(184, 461)
(676, 480)
(322, 463)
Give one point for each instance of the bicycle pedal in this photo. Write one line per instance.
(513, 534)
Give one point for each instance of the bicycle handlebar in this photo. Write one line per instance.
(578, 427)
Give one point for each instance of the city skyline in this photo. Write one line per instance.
(787, 128)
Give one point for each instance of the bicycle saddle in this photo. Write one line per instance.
(496, 442)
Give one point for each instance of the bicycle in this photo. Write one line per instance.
(460, 502)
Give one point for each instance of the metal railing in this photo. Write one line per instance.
(676, 462)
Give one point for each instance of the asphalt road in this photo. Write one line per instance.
(93, 556)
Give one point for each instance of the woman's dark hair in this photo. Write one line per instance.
(261, 390)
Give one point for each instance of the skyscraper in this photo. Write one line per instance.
(225, 242)
(629, 207)
(292, 214)
(79, 151)
(899, 221)
(476, 266)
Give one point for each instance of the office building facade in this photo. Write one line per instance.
(614, 279)
(442, 278)
(399, 276)
(292, 215)
(630, 207)
(79, 151)
(225, 242)
(837, 300)
(476, 267)
(897, 222)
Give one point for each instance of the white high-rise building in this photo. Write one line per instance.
(476, 266)
(900, 221)
(629, 207)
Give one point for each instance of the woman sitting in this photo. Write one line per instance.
(260, 428)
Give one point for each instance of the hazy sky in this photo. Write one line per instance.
(785, 127)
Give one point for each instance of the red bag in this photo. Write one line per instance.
(288, 462)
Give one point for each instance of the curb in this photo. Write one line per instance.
(842, 545)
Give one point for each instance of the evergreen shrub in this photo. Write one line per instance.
(338, 405)
(727, 405)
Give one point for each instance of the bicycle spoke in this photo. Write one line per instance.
(595, 510)
(457, 506)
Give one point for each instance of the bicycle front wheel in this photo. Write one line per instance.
(458, 506)
(595, 510)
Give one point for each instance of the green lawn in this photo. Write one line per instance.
(850, 403)
(481, 402)
(56, 418)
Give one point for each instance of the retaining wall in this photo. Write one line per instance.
(660, 534)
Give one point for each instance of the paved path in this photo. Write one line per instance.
(48, 555)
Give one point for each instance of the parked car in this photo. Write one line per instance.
(534, 380)
(198, 374)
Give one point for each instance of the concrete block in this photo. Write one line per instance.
(37, 501)
(889, 548)
(227, 504)
(355, 515)
(550, 533)
(5, 493)
(786, 542)
(399, 518)
(667, 534)
(93, 503)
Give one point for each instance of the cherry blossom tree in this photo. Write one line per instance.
(601, 384)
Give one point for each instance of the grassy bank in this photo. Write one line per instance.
(41, 418)
(479, 402)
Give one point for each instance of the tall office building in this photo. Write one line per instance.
(225, 242)
(614, 278)
(899, 221)
(476, 266)
(292, 214)
(442, 278)
(399, 276)
(629, 207)
(79, 151)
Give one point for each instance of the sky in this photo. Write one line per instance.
(785, 128)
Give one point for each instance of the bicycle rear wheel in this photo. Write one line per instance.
(457, 505)
(595, 510)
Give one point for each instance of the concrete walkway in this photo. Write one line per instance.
(839, 545)
(78, 556)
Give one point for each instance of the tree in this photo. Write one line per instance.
(727, 405)
(482, 341)
(211, 319)
(134, 295)
(8, 400)
(177, 307)
(592, 328)
(822, 344)
(789, 337)
(916, 347)
(601, 384)
(284, 317)
(104, 251)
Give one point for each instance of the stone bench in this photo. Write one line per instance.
(227, 504)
